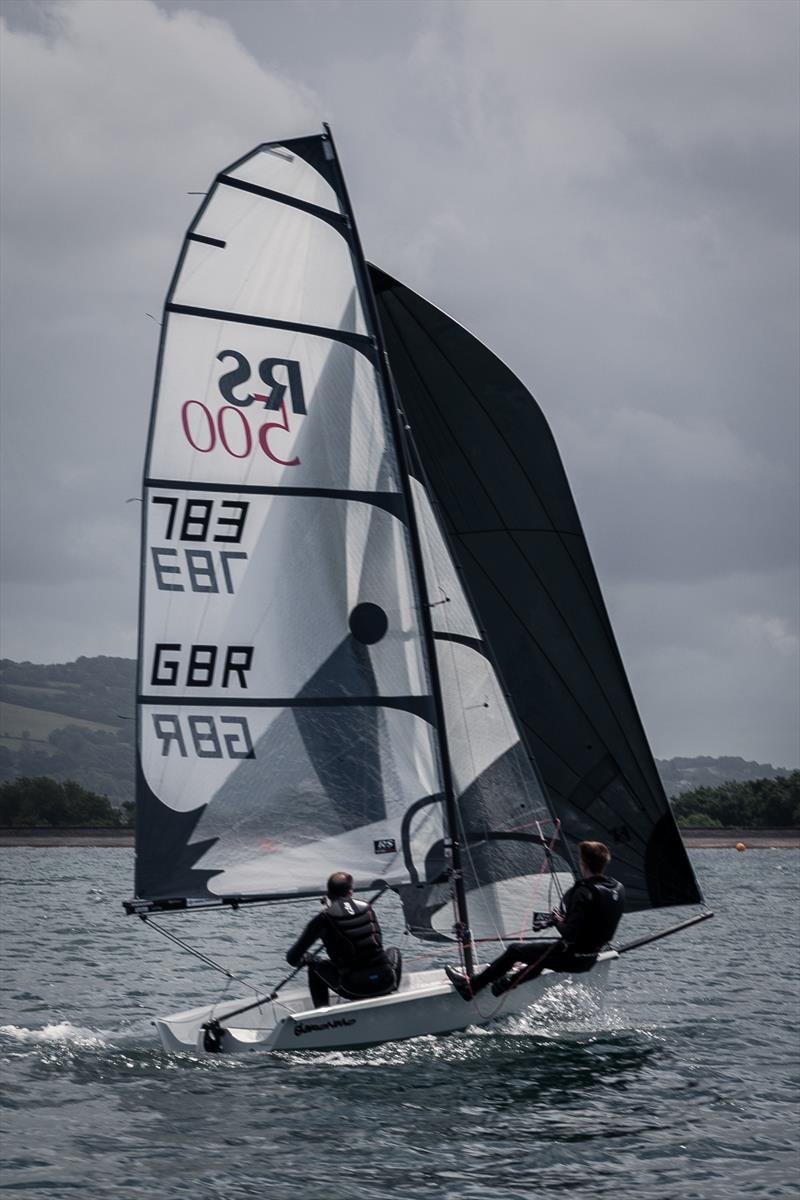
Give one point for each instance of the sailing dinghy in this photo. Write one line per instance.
(371, 636)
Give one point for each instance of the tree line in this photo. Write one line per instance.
(753, 804)
(103, 760)
(41, 802)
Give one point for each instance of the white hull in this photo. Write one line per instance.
(424, 1004)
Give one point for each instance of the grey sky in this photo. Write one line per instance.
(605, 193)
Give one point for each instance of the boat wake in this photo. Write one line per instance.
(64, 1033)
(97, 1053)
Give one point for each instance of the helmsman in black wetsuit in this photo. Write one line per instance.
(587, 919)
(357, 965)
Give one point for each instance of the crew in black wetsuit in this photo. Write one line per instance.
(587, 919)
(357, 965)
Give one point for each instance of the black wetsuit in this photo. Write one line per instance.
(591, 912)
(357, 964)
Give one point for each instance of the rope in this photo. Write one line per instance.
(210, 962)
(546, 860)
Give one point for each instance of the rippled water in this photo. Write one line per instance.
(684, 1088)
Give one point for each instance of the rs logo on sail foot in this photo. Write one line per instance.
(236, 431)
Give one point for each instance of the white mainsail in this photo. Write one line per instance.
(284, 697)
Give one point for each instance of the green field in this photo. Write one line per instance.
(38, 723)
(54, 689)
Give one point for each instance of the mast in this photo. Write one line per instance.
(398, 427)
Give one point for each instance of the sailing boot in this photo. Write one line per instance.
(504, 984)
(461, 982)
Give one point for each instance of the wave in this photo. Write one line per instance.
(64, 1033)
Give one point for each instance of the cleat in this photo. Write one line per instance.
(461, 982)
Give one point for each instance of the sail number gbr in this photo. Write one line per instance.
(197, 666)
(207, 736)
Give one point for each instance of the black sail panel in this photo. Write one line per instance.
(513, 529)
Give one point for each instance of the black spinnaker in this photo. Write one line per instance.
(511, 525)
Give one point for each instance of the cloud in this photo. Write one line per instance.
(111, 114)
(723, 650)
(605, 193)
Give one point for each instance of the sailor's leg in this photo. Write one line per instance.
(372, 981)
(504, 962)
(322, 975)
(556, 956)
(396, 964)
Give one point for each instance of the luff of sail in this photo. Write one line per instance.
(285, 710)
(511, 525)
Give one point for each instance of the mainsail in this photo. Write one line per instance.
(285, 707)
(512, 527)
(314, 691)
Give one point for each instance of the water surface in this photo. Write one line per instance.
(683, 1088)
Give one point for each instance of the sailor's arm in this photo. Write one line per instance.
(573, 923)
(555, 918)
(311, 934)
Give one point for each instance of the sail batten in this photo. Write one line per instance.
(415, 704)
(338, 220)
(358, 341)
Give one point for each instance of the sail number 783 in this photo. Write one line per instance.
(189, 567)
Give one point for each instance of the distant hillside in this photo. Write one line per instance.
(680, 775)
(70, 721)
(75, 721)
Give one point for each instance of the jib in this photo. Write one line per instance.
(288, 380)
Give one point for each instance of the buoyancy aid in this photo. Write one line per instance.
(593, 908)
(351, 935)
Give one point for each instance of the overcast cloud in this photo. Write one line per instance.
(605, 193)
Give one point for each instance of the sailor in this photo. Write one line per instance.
(586, 920)
(357, 965)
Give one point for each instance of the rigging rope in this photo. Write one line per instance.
(547, 860)
(210, 962)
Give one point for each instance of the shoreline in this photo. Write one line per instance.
(116, 839)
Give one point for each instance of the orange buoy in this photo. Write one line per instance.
(741, 846)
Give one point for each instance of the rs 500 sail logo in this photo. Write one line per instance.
(241, 433)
